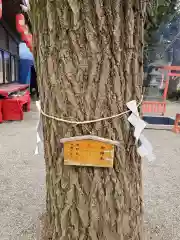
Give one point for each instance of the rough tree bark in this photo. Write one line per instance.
(89, 64)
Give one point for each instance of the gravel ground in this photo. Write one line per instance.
(162, 188)
(161, 183)
(22, 178)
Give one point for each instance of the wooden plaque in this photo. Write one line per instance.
(88, 151)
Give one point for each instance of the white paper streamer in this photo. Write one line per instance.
(132, 105)
(145, 149)
(40, 139)
(135, 119)
(138, 124)
(25, 6)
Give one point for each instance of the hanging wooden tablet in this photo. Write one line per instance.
(89, 151)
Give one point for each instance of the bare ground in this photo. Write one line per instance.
(22, 179)
(162, 188)
(22, 182)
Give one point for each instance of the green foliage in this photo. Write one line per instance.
(159, 12)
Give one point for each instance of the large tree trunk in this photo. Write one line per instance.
(89, 64)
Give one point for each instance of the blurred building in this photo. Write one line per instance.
(9, 42)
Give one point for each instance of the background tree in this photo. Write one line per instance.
(89, 61)
(162, 38)
(160, 31)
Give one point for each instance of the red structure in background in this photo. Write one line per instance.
(7, 89)
(0, 9)
(20, 23)
(159, 107)
(14, 97)
(176, 128)
(12, 107)
(1, 119)
(22, 28)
